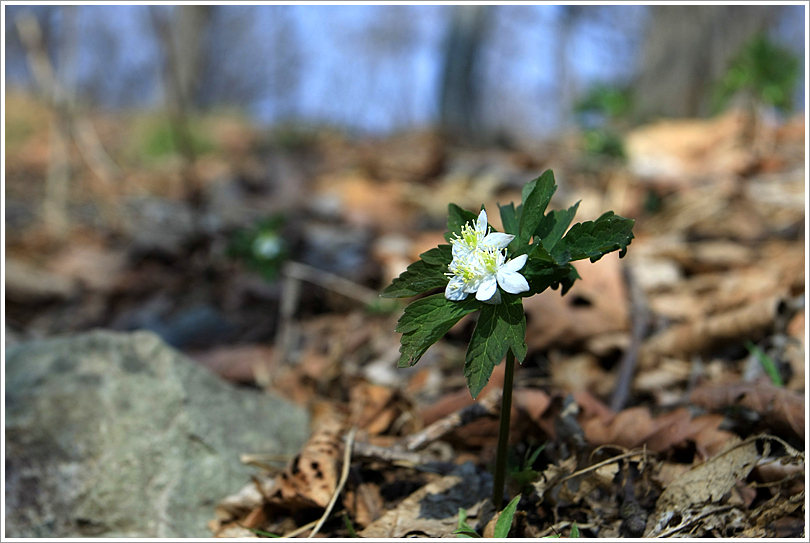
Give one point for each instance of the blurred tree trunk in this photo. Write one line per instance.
(459, 111)
(686, 50)
(189, 28)
(182, 40)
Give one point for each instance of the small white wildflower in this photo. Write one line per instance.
(497, 271)
(479, 265)
(267, 246)
(478, 236)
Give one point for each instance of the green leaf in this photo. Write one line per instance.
(425, 321)
(553, 226)
(509, 218)
(500, 327)
(423, 275)
(456, 218)
(535, 203)
(541, 276)
(767, 363)
(438, 256)
(349, 526)
(568, 281)
(594, 239)
(464, 529)
(574, 531)
(504, 522)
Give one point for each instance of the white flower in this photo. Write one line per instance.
(267, 246)
(500, 272)
(477, 237)
(479, 265)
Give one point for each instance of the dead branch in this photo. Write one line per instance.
(488, 406)
(640, 315)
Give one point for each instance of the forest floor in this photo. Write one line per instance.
(664, 395)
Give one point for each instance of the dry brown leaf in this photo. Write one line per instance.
(682, 340)
(596, 304)
(779, 407)
(364, 503)
(684, 150)
(547, 482)
(375, 407)
(580, 372)
(432, 511)
(311, 477)
(704, 485)
(635, 426)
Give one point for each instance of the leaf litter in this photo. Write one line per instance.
(702, 445)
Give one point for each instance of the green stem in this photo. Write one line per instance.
(503, 432)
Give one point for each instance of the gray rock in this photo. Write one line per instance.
(118, 435)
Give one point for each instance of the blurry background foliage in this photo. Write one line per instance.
(767, 72)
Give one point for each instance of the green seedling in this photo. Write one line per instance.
(767, 363)
(502, 525)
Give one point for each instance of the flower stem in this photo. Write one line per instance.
(503, 432)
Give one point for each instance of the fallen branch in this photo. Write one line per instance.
(486, 407)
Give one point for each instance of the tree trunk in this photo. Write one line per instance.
(687, 49)
(459, 111)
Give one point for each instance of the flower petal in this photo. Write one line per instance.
(455, 289)
(487, 289)
(481, 223)
(512, 282)
(496, 298)
(497, 240)
(515, 264)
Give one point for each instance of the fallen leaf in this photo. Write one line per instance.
(778, 407)
(432, 511)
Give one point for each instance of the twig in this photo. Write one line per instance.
(641, 321)
(347, 458)
(599, 465)
(488, 406)
(707, 512)
(330, 281)
(398, 457)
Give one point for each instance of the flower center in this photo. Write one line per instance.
(490, 260)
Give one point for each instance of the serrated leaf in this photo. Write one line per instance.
(553, 226)
(504, 522)
(534, 205)
(456, 218)
(438, 256)
(540, 275)
(500, 327)
(419, 277)
(425, 321)
(595, 239)
(568, 281)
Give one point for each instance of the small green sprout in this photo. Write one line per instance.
(502, 525)
(767, 363)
